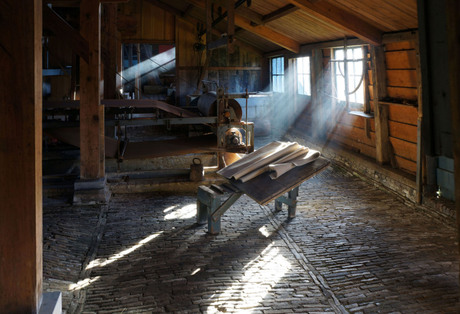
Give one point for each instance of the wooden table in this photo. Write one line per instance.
(213, 201)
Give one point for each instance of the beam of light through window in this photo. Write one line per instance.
(82, 283)
(185, 212)
(104, 262)
(248, 291)
(154, 66)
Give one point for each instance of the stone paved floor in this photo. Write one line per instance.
(351, 248)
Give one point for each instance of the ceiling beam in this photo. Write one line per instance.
(53, 22)
(166, 7)
(345, 20)
(260, 30)
(288, 9)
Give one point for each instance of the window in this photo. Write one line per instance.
(355, 74)
(303, 76)
(277, 70)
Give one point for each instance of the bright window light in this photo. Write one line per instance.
(303, 76)
(277, 69)
(354, 77)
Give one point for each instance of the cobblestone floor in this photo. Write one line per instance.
(351, 248)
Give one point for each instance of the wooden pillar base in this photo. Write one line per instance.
(91, 192)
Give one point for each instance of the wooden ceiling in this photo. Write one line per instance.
(273, 24)
(270, 25)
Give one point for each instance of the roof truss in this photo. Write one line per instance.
(341, 19)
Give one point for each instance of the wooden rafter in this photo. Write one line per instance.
(341, 19)
(260, 30)
(166, 7)
(65, 32)
(288, 9)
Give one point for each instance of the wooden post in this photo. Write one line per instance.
(316, 99)
(21, 157)
(91, 112)
(453, 26)
(420, 157)
(382, 141)
(109, 38)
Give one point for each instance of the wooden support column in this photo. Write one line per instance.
(316, 103)
(382, 141)
(420, 155)
(109, 48)
(91, 112)
(21, 156)
(453, 26)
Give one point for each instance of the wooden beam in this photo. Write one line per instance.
(167, 7)
(21, 156)
(268, 34)
(65, 32)
(262, 31)
(453, 25)
(287, 9)
(345, 20)
(382, 141)
(92, 157)
(109, 49)
(230, 26)
(420, 157)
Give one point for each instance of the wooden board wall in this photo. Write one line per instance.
(351, 131)
(140, 21)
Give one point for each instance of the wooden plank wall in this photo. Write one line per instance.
(142, 22)
(350, 130)
(402, 85)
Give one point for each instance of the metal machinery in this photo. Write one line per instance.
(218, 116)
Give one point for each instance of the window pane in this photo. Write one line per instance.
(303, 76)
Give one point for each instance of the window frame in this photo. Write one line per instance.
(305, 75)
(277, 74)
(353, 98)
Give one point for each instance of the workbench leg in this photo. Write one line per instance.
(213, 226)
(278, 205)
(292, 195)
(201, 213)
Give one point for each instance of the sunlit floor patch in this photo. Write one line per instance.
(103, 262)
(184, 212)
(82, 283)
(259, 277)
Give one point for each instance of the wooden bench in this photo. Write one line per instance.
(214, 201)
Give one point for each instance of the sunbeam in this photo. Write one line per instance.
(104, 262)
(261, 276)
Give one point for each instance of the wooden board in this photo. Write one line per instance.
(263, 189)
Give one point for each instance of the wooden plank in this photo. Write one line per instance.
(345, 20)
(404, 149)
(409, 93)
(402, 114)
(91, 112)
(381, 112)
(21, 259)
(263, 189)
(403, 131)
(398, 46)
(355, 134)
(401, 60)
(353, 145)
(406, 165)
(402, 78)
